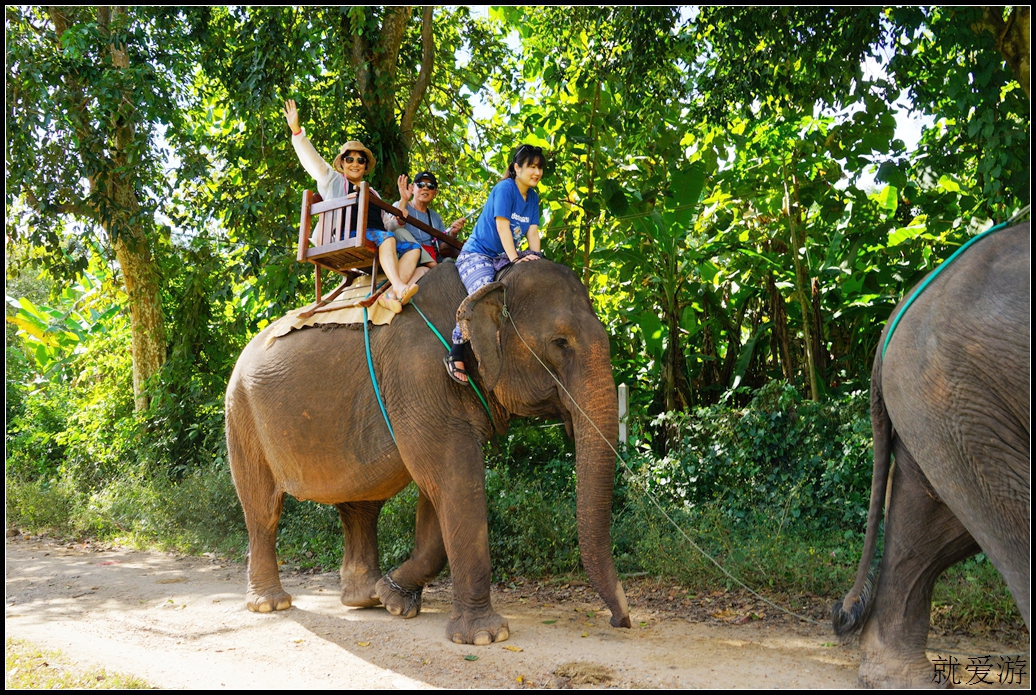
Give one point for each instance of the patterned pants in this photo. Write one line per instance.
(476, 270)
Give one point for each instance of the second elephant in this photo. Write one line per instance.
(950, 400)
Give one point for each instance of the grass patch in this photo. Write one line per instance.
(26, 666)
(972, 597)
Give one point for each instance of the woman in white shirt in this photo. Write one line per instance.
(397, 251)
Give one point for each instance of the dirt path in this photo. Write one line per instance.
(181, 623)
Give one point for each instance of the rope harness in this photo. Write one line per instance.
(374, 378)
(446, 345)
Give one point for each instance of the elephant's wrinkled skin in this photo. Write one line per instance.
(302, 419)
(950, 400)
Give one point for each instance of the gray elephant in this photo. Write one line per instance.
(302, 419)
(950, 400)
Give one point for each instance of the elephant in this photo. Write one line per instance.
(950, 401)
(302, 419)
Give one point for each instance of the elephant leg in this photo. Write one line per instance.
(400, 590)
(922, 539)
(262, 501)
(360, 567)
(994, 505)
(455, 485)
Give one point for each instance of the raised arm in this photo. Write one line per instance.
(406, 192)
(311, 161)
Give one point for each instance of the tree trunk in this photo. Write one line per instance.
(779, 334)
(591, 173)
(1012, 39)
(820, 355)
(147, 324)
(378, 85)
(801, 287)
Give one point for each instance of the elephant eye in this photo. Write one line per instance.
(560, 342)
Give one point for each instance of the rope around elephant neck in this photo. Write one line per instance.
(446, 345)
(646, 491)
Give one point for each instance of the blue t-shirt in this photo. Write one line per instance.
(505, 200)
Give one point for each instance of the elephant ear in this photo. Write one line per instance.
(479, 320)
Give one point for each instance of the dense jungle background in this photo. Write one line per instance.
(745, 192)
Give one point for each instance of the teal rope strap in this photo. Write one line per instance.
(374, 379)
(928, 280)
(446, 345)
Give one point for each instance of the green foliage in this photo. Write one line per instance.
(778, 460)
(26, 666)
(530, 489)
(82, 125)
(973, 593)
(782, 57)
(39, 504)
(810, 560)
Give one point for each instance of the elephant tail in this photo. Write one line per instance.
(848, 615)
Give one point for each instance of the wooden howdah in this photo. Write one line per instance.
(337, 241)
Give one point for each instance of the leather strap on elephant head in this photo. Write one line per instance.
(479, 318)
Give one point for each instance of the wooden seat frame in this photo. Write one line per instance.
(348, 254)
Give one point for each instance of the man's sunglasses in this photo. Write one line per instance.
(349, 159)
(426, 184)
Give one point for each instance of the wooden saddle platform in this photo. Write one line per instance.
(338, 239)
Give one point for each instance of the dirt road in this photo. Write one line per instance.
(181, 623)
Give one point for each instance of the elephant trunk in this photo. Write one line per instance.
(595, 477)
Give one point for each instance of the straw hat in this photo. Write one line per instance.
(353, 146)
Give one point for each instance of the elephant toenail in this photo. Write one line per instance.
(482, 638)
(457, 639)
(502, 634)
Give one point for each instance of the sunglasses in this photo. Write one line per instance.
(426, 184)
(532, 149)
(349, 159)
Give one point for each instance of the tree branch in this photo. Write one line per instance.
(393, 27)
(79, 208)
(359, 58)
(1012, 39)
(424, 77)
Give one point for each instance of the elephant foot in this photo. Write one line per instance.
(264, 602)
(359, 599)
(893, 665)
(406, 603)
(905, 674)
(478, 631)
(360, 591)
